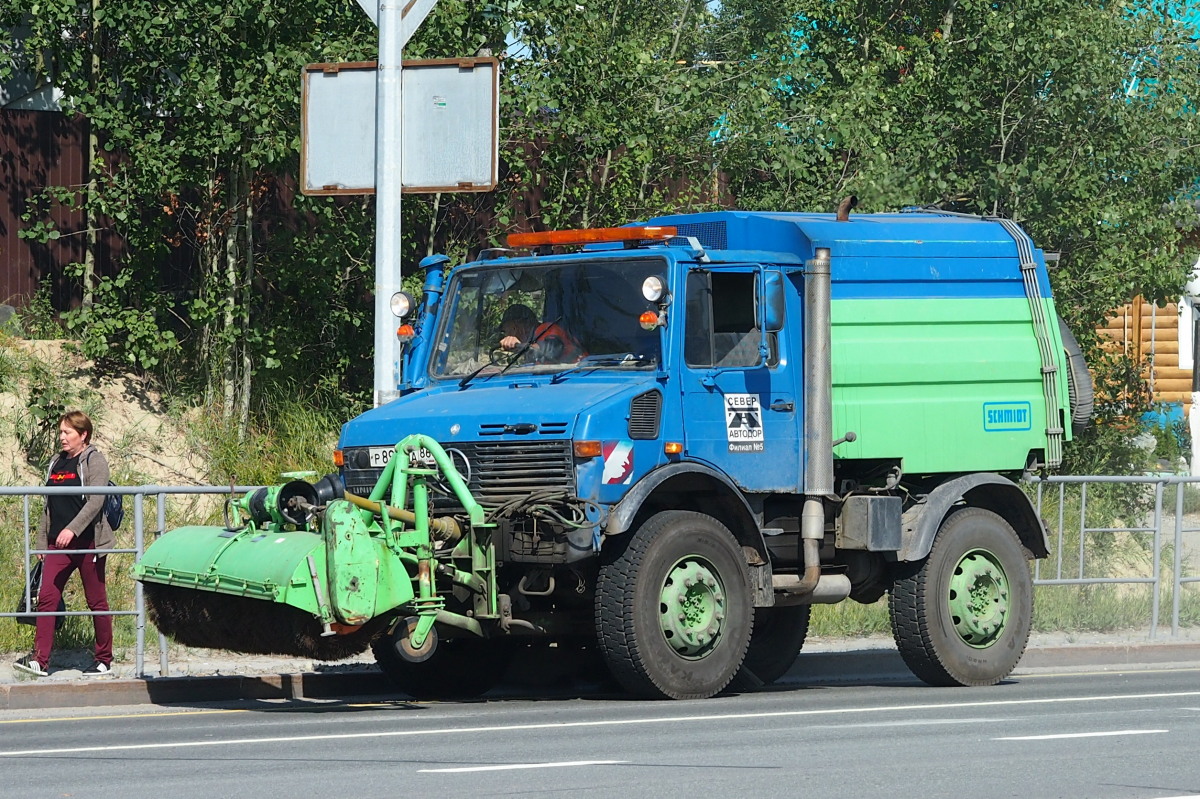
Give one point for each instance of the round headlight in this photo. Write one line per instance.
(402, 304)
(653, 288)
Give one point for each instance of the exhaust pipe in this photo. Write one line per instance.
(818, 419)
(829, 590)
(845, 207)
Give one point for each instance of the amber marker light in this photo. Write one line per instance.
(561, 238)
(405, 332)
(339, 459)
(673, 448)
(649, 320)
(587, 449)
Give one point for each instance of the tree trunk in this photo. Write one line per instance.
(229, 304)
(91, 217)
(246, 288)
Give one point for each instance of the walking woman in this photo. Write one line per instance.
(73, 522)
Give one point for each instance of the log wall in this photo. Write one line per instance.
(1145, 332)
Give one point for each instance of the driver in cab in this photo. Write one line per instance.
(548, 341)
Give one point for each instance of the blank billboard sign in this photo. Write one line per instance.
(449, 129)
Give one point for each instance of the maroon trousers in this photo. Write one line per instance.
(56, 569)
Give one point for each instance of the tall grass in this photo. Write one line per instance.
(293, 436)
(1056, 608)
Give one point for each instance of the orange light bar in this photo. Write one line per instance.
(550, 238)
(673, 448)
(587, 449)
(339, 459)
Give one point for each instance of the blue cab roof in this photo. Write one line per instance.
(879, 255)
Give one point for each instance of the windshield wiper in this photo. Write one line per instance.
(608, 359)
(463, 383)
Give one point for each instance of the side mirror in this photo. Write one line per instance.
(775, 307)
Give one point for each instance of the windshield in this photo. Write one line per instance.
(547, 318)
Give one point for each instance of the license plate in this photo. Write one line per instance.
(422, 458)
(381, 455)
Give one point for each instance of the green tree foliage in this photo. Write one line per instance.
(606, 115)
(1076, 119)
(196, 105)
(612, 110)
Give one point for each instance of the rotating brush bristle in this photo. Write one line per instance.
(242, 624)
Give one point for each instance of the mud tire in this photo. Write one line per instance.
(634, 624)
(982, 646)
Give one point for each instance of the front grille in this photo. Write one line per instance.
(504, 470)
(499, 470)
(644, 414)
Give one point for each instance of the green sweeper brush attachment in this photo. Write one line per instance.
(308, 570)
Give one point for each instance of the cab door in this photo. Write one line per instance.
(740, 409)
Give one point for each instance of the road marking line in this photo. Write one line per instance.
(515, 766)
(566, 725)
(1078, 735)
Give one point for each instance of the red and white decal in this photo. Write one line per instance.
(618, 462)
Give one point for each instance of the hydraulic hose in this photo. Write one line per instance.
(441, 528)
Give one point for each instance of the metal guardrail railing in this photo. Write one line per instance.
(1055, 490)
(139, 494)
(1145, 495)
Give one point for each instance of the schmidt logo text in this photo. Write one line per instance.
(1007, 416)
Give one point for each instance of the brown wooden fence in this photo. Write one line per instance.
(39, 149)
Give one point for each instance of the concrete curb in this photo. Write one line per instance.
(104, 691)
(859, 665)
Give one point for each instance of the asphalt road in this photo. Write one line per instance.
(1127, 734)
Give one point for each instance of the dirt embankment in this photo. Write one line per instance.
(144, 443)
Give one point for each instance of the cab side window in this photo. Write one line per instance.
(722, 321)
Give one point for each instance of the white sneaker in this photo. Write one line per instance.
(97, 669)
(27, 665)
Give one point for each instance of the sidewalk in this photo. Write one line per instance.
(211, 675)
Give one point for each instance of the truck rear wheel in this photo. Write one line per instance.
(964, 617)
(460, 668)
(778, 637)
(673, 609)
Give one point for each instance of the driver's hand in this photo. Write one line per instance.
(510, 343)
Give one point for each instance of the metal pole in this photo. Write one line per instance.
(388, 189)
(139, 602)
(1157, 568)
(163, 666)
(1177, 566)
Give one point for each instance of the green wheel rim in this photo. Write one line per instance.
(692, 607)
(979, 598)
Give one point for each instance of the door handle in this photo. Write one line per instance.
(783, 405)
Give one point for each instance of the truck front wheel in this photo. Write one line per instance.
(963, 618)
(673, 608)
